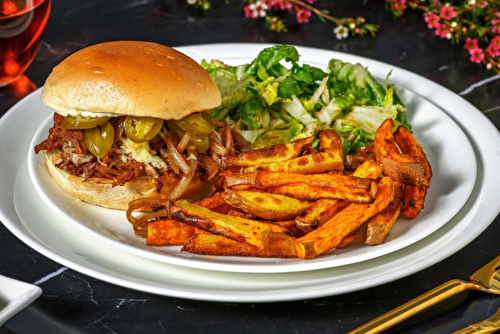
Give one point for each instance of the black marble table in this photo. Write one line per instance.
(72, 302)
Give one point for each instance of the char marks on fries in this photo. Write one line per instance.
(414, 196)
(270, 154)
(279, 245)
(379, 226)
(319, 213)
(330, 141)
(170, 232)
(311, 192)
(347, 221)
(265, 205)
(413, 201)
(314, 163)
(308, 187)
(401, 167)
(252, 232)
(290, 200)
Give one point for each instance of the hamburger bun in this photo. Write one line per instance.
(130, 78)
(101, 192)
(127, 78)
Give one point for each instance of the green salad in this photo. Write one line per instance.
(274, 99)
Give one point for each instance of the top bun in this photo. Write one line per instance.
(130, 78)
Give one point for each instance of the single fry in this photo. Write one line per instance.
(413, 201)
(330, 234)
(274, 179)
(410, 146)
(311, 192)
(401, 167)
(319, 213)
(248, 231)
(269, 154)
(314, 163)
(265, 205)
(170, 232)
(279, 245)
(414, 196)
(380, 225)
(330, 141)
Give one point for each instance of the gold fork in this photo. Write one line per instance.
(490, 325)
(486, 279)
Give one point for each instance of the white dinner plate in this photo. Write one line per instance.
(453, 180)
(24, 213)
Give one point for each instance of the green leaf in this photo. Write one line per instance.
(288, 88)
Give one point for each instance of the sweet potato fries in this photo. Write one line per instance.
(290, 200)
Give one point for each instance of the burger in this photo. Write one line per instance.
(131, 121)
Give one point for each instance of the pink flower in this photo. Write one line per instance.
(258, 9)
(431, 19)
(447, 13)
(476, 55)
(311, 1)
(282, 4)
(471, 44)
(492, 51)
(495, 26)
(442, 30)
(495, 42)
(398, 5)
(249, 12)
(303, 15)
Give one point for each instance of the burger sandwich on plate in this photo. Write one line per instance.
(130, 121)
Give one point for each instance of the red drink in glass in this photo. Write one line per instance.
(22, 23)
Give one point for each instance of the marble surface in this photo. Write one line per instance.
(74, 303)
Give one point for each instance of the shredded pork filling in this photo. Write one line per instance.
(121, 167)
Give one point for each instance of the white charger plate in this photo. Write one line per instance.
(453, 180)
(30, 219)
(14, 296)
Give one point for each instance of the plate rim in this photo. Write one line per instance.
(231, 264)
(487, 214)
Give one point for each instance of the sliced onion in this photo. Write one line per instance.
(175, 157)
(216, 137)
(218, 148)
(181, 187)
(184, 141)
(146, 204)
(229, 141)
(209, 165)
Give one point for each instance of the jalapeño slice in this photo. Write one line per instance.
(199, 123)
(100, 139)
(82, 123)
(142, 129)
(201, 142)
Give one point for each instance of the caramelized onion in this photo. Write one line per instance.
(218, 148)
(242, 144)
(175, 157)
(209, 165)
(146, 204)
(184, 141)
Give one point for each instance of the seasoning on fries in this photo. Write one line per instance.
(263, 211)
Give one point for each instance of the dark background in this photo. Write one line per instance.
(75, 303)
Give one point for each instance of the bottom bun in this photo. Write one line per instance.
(101, 192)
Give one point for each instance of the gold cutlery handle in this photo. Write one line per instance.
(490, 325)
(413, 307)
